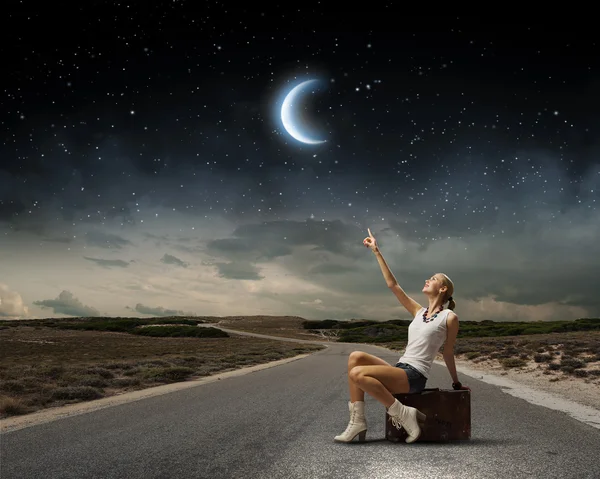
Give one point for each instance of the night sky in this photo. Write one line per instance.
(145, 170)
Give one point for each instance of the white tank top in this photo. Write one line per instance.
(424, 341)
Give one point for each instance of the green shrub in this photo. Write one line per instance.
(168, 374)
(571, 363)
(102, 372)
(325, 324)
(92, 381)
(180, 331)
(512, 363)
(375, 333)
(125, 382)
(75, 392)
(542, 358)
(12, 406)
(12, 386)
(118, 324)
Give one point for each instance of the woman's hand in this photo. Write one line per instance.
(371, 242)
(459, 387)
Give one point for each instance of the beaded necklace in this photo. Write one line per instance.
(428, 320)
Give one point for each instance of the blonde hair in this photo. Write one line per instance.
(449, 292)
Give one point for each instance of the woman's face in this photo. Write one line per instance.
(433, 285)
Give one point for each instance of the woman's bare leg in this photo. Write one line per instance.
(381, 382)
(358, 358)
(368, 373)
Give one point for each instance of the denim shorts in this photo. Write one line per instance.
(416, 380)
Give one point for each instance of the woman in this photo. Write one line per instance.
(427, 332)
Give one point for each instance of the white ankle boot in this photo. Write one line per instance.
(406, 417)
(357, 425)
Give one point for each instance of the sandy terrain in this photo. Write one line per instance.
(580, 390)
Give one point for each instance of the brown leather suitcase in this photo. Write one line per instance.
(448, 415)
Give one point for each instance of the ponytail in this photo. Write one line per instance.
(451, 303)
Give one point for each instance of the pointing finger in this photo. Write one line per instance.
(370, 234)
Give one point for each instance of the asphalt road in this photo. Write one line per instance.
(280, 423)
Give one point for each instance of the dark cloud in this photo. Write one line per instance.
(67, 304)
(109, 263)
(272, 239)
(169, 259)
(238, 270)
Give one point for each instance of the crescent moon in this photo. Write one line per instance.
(288, 116)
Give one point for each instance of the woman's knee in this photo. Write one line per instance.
(356, 357)
(355, 373)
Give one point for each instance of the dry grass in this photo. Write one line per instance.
(44, 367)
